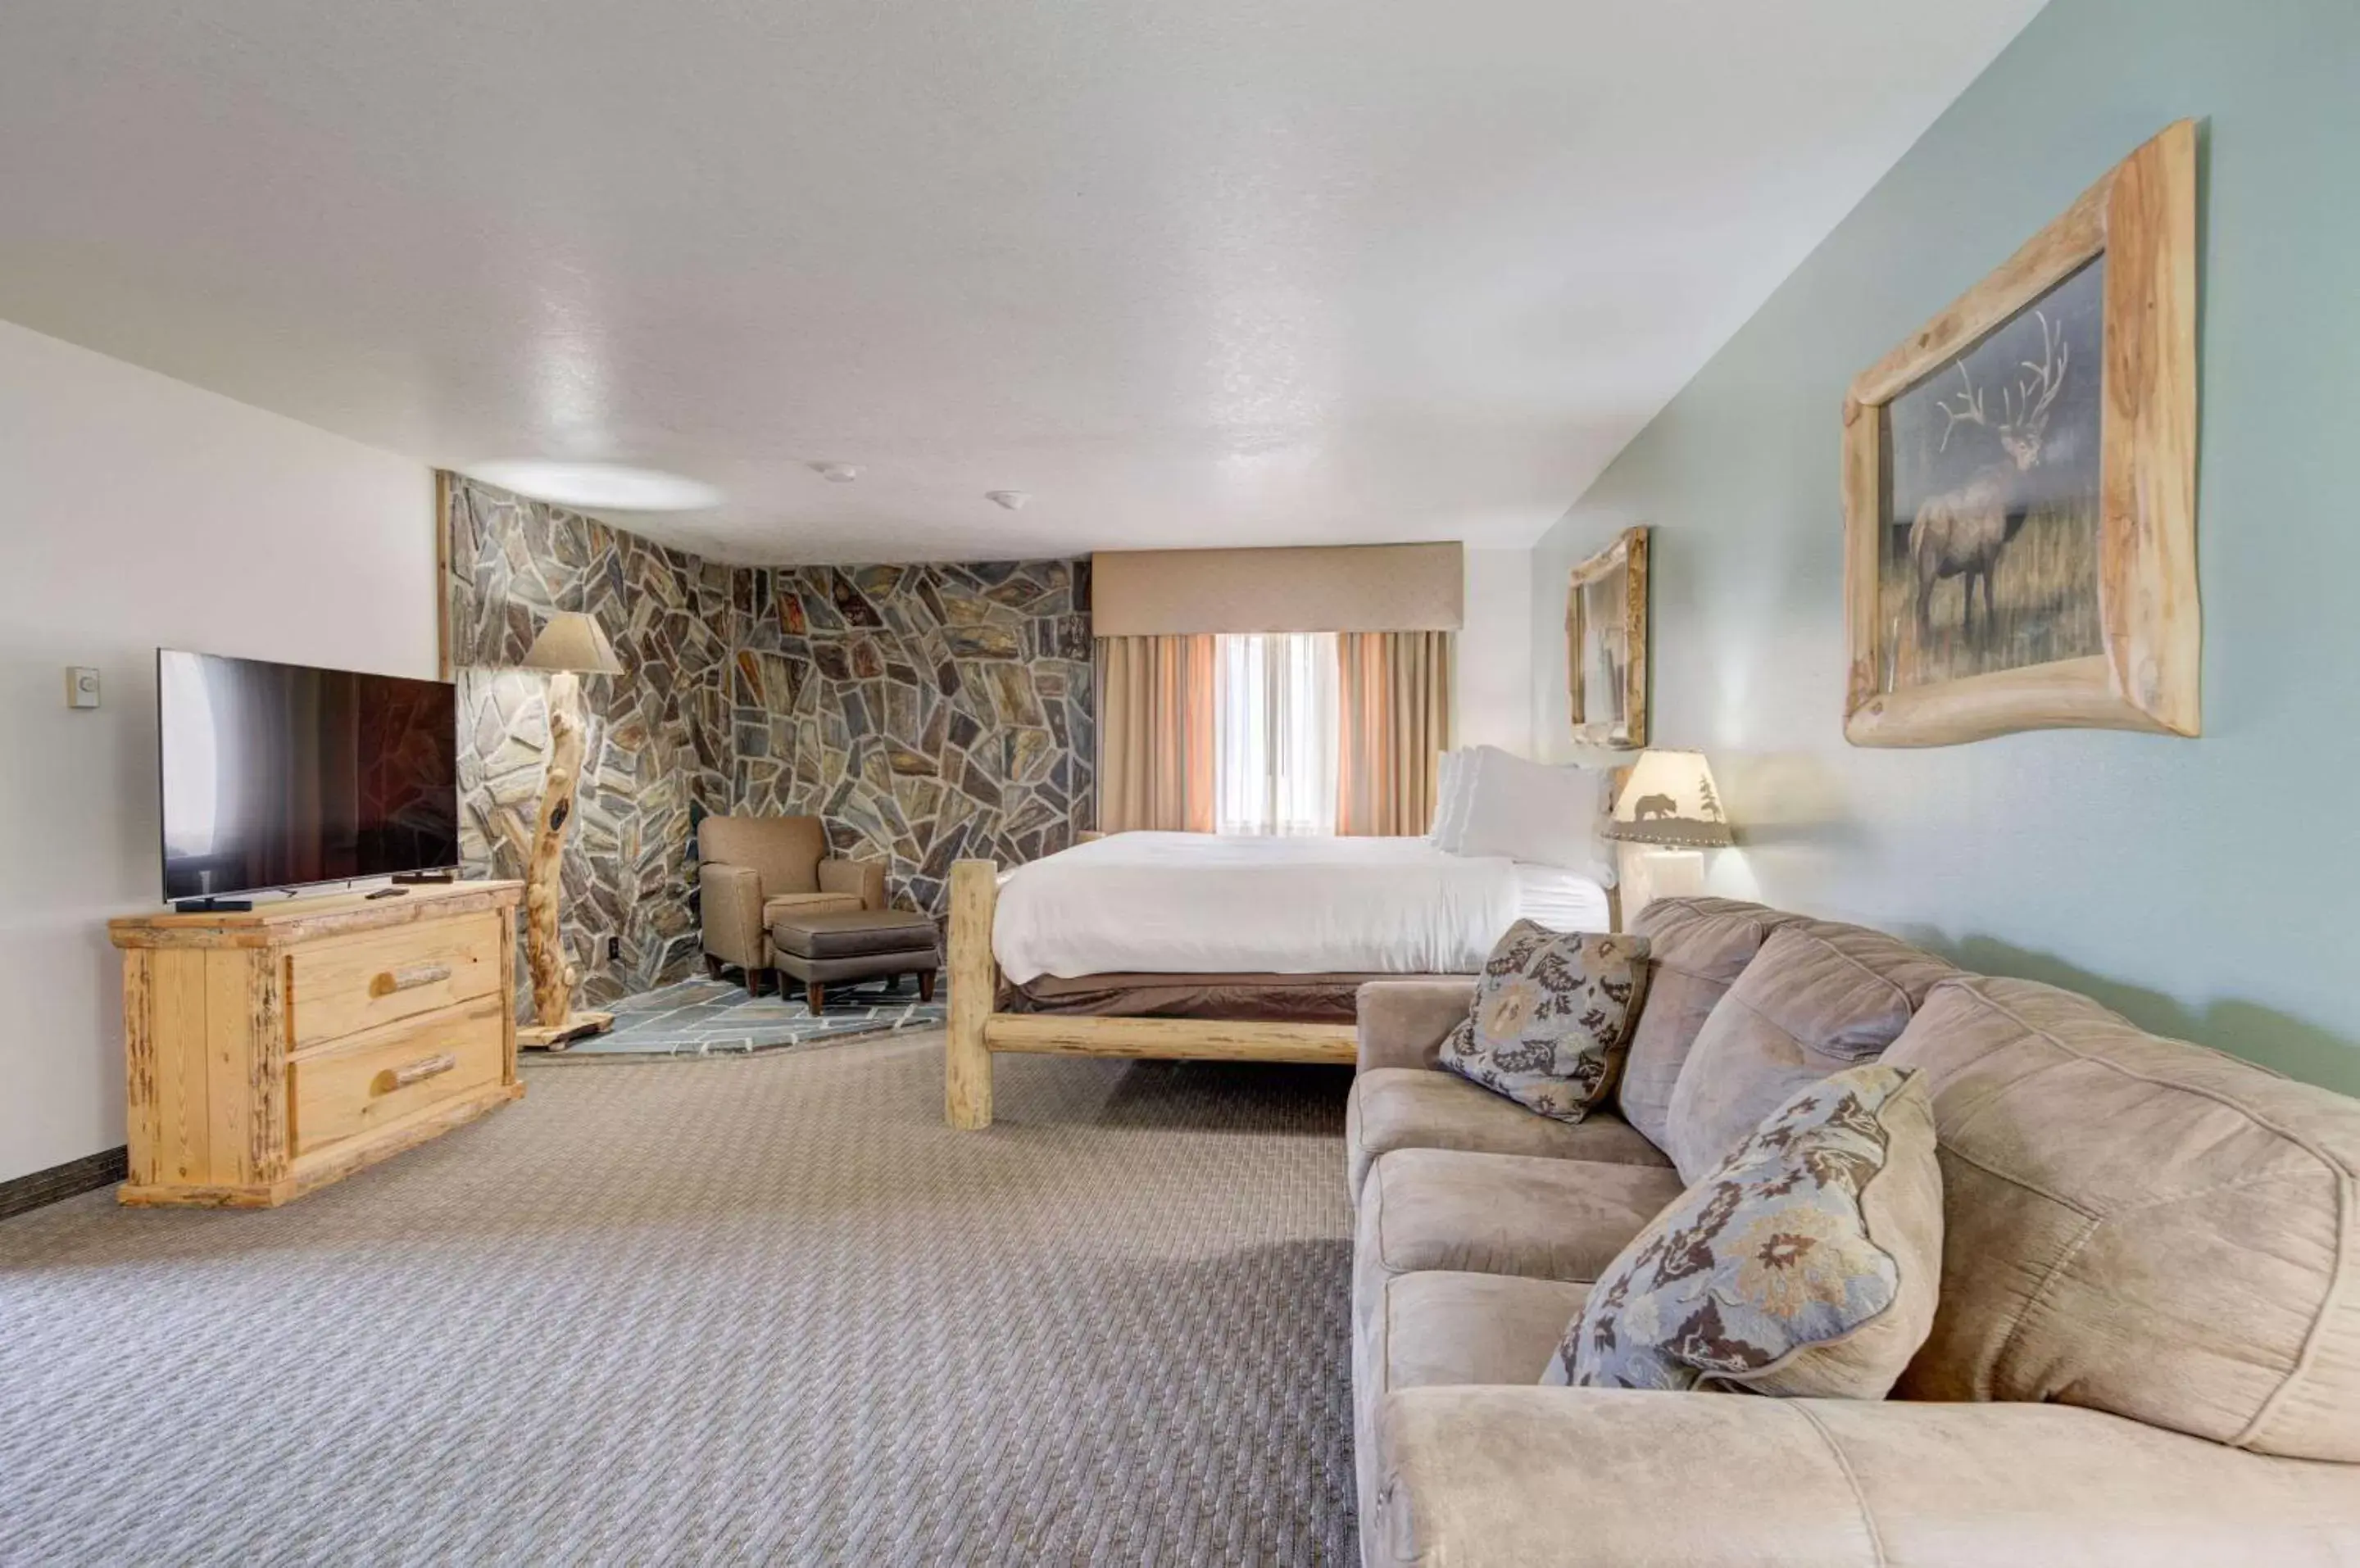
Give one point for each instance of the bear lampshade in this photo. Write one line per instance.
(1671, 800)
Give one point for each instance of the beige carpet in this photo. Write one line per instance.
(762, 1310)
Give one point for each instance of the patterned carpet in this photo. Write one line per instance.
(734, 1310)
(703, 1017)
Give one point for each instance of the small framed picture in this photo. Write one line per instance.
(1606, 644)
(2019, 485)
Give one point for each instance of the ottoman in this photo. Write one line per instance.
(843, 945)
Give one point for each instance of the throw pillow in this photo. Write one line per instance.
(1551, 1015)
(1806, 1264)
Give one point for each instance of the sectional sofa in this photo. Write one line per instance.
(2148, 1346)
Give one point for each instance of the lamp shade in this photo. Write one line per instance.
(572, 640)
(1671, 800)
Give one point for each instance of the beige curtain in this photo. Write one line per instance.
(1393, 704)
(1155, 733)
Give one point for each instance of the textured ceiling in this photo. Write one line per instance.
(1227, 272)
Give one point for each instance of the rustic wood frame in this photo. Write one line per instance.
(1628, 550)
(977, 1031)
(2142, 216)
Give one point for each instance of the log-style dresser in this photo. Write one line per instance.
(273, 1050)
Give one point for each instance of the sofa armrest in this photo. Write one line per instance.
(730, 898)
(864, 877)
(1402, 1022)
(1483, 1475)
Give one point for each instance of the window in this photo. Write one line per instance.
(1275, 732)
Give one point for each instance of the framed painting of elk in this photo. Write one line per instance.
(1606, 644)
(2020, 486)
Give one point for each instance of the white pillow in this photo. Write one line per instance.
(1531, 811)
(1452, 783)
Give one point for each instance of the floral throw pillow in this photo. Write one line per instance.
(1552, 1013)
(1806, 1264)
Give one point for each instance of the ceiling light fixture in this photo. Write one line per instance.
(1007, 500)
(598, 487)
(836, 473)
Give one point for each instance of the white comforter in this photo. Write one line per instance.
(1195, 903)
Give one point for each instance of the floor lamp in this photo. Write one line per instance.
(571, 642)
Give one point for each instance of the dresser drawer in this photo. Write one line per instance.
(349, 1089)
(343, 987)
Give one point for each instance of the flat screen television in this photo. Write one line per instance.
(280, 776)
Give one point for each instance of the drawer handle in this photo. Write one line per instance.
(389, 981)
(418, 1072)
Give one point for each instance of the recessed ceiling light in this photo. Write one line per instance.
(836, 473)
(599, 487)
(1008, 500)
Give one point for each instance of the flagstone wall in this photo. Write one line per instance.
(658, 736)
(923, 712)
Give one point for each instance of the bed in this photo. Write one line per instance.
(1241, 949)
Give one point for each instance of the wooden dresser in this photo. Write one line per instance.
(271, 1051)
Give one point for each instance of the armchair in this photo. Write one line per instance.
(753, 869)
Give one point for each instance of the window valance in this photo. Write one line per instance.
(1318, 588)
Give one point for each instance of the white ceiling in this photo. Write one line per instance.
(1212, 272)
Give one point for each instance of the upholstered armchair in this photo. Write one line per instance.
(753, 869)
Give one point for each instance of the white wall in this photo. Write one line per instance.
(137, 511)
(1494, 700)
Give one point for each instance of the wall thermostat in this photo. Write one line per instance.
(82, 686)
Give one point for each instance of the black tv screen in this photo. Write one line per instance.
(276, 775)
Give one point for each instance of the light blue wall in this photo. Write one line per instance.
(2208, 888)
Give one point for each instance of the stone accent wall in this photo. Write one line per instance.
(924, 713)
(657, 735)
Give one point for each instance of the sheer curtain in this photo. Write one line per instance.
(1275, 732)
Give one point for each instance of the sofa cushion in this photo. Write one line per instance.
(1498, 1214)
(1403, 1023)
(2138, 1225)
(1818, 998)
(1445, 1328)
(1409, 1107)
(1551, 1015)
(1606, 1477)
(1805, 1266)
(1695, 948)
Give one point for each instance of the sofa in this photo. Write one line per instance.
(750, 870)
(2146, 1348)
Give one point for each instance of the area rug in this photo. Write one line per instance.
(768, 1310)
(705, 1017)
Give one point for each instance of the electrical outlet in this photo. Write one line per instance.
(614, 947)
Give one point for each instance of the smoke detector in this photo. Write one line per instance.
(1007, 500)
(836, 473)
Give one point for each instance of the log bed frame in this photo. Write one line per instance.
(977, 1031)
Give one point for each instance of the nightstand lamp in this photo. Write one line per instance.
(1672, 806)
(569, 642)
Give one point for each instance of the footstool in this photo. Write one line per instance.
(854, 944)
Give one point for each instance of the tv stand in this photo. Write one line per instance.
(424, 878)
(211, 906)
(272, 1051)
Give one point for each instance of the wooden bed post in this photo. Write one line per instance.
(975, 992)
